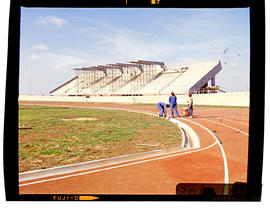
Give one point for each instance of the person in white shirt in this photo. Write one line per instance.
(190, 105)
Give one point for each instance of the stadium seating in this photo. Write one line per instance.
(193, 74)
(178, 78)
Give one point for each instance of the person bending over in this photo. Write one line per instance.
(163, 109)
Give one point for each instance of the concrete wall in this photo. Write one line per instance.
(220, 99)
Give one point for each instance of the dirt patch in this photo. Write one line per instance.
(148, 144)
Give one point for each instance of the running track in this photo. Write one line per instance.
(213, 162)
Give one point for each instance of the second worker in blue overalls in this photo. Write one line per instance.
(173, 104)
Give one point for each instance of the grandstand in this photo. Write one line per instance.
(137, 78)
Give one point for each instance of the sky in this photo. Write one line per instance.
(53, 41)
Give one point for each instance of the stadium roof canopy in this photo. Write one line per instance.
(128, 65)
(152, 62)
(110, 67)
(144, 62)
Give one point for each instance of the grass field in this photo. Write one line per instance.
(53, 136)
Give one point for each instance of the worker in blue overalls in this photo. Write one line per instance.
(173, 104)
(163, 109)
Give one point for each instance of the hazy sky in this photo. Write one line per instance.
(54, 41)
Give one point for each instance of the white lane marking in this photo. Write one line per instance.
(233, 121)
(246, 119)
(211, 111)
(119, 166)
(243, 116)
(226, 171)
(226, 126)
